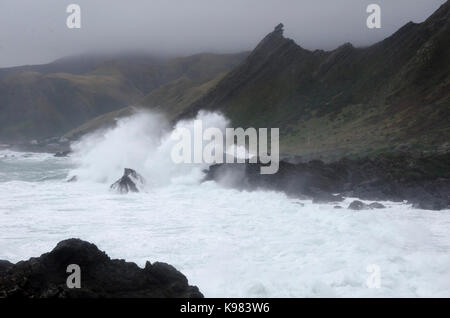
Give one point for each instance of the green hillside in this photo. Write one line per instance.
(388, 97)
(351, 101)
(37, 104)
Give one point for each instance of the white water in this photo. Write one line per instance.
(229, 243)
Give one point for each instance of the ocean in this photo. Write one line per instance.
(229, 243)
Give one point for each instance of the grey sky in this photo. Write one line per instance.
(34, 31)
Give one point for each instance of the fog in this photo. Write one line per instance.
(35, 31)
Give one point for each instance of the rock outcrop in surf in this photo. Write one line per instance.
(358, 205)
(129, 182)
(100, 277)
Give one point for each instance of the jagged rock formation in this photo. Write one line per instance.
(101, 277)
(423, 181)
(73, 179)
(391, 96)
(129, 182)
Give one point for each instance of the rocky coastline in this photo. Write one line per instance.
(100, 277)
(423, 181)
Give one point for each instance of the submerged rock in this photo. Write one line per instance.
(62, 153)
(376, 205)
(73, 179)
(358, 205)
(129, 182)
(100, 276)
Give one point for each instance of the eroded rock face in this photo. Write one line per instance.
(130, 182)
(45, 276)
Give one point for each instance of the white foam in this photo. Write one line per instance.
(229, 243)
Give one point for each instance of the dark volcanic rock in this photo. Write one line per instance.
(358, 205)
(129, 182)
(62, 153)
(73, 179)
(432, 204)
(423, 181)
(5, 265)
(45, 276)
(376, 205)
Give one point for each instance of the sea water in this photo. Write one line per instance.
(229, 243)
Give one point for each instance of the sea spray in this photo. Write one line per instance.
(142, 142)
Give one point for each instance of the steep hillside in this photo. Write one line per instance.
(37, 104)
(350, 101)
(185, 80)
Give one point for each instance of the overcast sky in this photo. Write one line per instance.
(35, 31)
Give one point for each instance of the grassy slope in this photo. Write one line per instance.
(34, 105)
(351, 101)
(37, 105)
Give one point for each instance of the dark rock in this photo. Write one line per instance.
(424, 181)
(101, 277)
(129, 182)
(279, 29)
(357, 205)
(337, 207)
(434, 205)
(5, 265)
(73, 179)
(63, 153)
(376, 205)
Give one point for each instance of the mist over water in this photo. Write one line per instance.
(229, 243)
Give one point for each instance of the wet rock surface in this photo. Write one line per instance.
(129, 182)
(101, 277)
(423, 181)
(358, 205)
(73, 179)
(65, 153)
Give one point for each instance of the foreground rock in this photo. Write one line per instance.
(129, 182)
(45, 276)
(423, 181)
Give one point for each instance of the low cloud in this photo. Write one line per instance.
(35, 31)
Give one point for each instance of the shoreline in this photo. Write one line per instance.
(423, 182)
